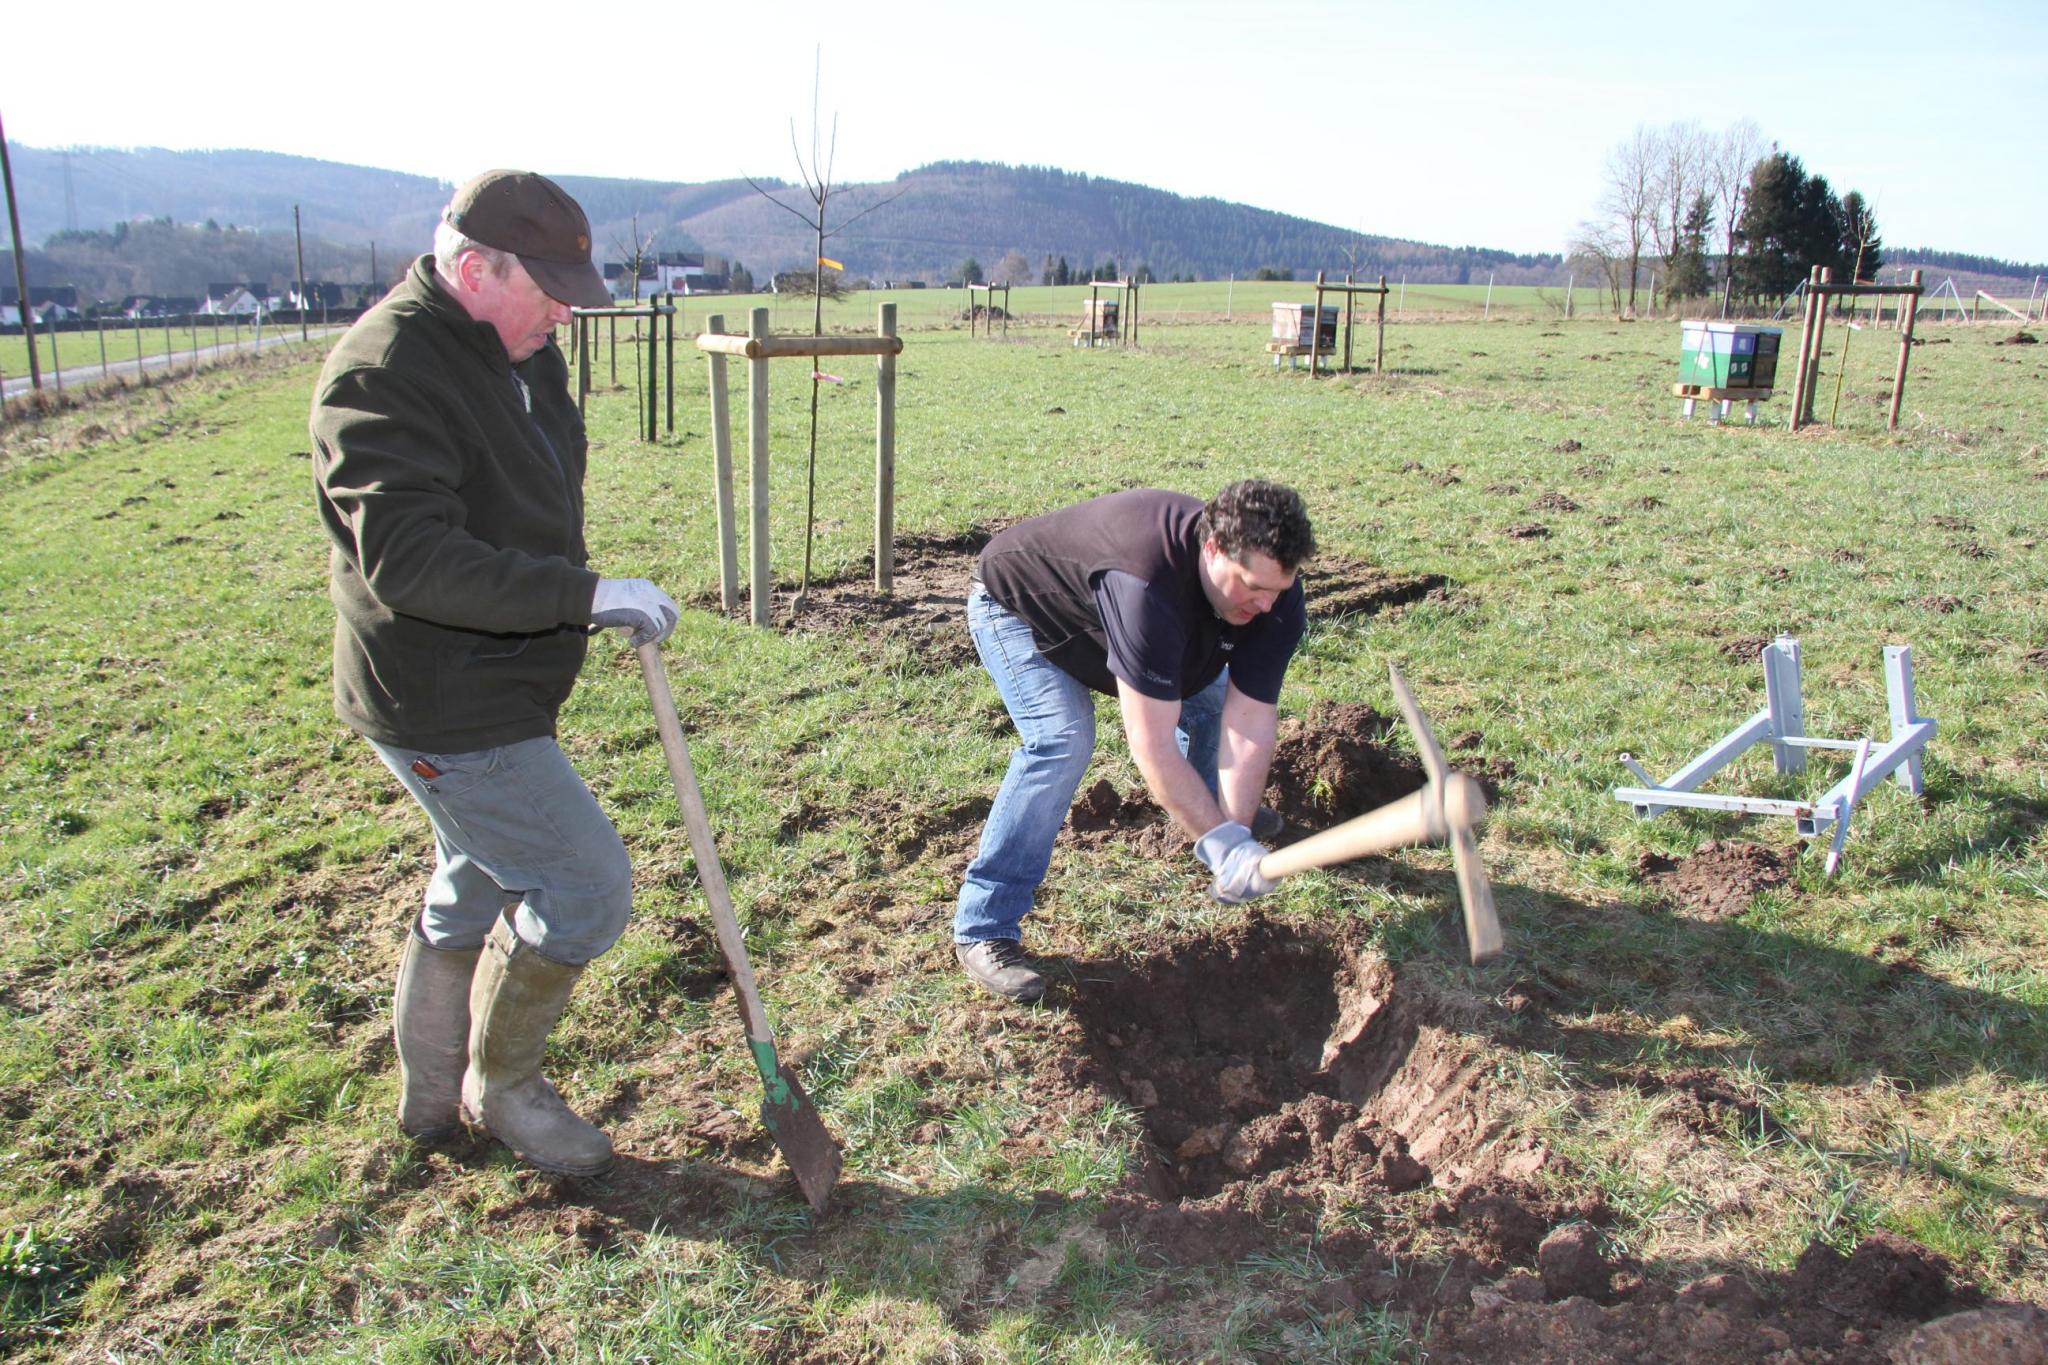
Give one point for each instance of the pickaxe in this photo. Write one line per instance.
(1448, 807)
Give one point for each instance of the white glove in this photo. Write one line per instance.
(637, 605)
(1233, 855)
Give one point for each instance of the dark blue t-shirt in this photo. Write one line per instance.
(1112, 588)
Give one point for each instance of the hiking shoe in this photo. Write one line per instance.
(1000, 965)
(1267, 824)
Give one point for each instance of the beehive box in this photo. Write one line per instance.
(1098, 315)
(1291, 323)
(1728, 355)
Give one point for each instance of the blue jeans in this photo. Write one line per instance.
(1055, 719)
(514, 827)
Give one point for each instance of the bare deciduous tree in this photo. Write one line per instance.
(1733, 155)
(1628, 202)
(817, 178)
(1596, 253)
(1012, 269)
(1681, 171)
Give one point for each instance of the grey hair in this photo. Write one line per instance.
(449, 244)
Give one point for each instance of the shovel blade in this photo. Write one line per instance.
(801, 1136)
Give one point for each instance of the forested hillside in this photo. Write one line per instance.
(150, 221)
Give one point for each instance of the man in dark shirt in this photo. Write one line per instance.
(1187, 614)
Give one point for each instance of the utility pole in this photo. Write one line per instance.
(35, 372)
(299, 244)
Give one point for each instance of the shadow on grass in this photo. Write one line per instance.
(1728, 994)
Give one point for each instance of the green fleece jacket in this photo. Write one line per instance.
(453, 495)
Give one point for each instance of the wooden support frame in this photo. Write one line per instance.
(660, 310)
(1820, 287)
(1126, 332)
(990, 316)
(1350, 291)
(758, 347)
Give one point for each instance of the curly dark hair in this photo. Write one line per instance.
(1253, 514)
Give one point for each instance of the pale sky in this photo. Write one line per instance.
(1483, 123)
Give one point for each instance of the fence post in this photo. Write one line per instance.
(721, 475)
(885, 454)
(757, 478)
(1379, 351)
(670, 327)
(56, 365)
(102, 323)
(1905, 349)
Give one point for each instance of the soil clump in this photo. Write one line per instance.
(1720, 879)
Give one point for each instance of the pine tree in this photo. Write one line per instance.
(1688, 265)
(1862, 248)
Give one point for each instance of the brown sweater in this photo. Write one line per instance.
(456, 516)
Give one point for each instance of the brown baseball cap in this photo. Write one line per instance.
(535, 219)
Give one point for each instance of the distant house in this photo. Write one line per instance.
(155, 306)
(235, 300)
(670, 272)
(323, 295)
(46, 303)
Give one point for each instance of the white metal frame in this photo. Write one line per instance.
(1781, 724)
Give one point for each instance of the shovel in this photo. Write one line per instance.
(786, 1111)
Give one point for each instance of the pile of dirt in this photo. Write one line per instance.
(1329, 765)
(1719, 880)
(1555, 501)
(1526, 530)
(1867, 1306)
(1334, 763)
(2019, 338)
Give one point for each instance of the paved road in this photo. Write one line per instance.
(178, 362)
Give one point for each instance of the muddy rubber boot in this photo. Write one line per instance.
(513, 1005)
(430, 1021)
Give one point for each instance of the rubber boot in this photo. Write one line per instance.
(513, 1004)
(430, 1021)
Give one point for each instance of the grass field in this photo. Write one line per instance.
(207, 879)
(124, 340)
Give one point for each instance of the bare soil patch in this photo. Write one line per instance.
(1555, 502)
(1721, 878)
(1526, 530)
(1282, 1075)
(1745, 648)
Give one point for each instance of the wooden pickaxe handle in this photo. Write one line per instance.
(1417, 818)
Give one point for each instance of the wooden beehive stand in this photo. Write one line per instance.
(758, 346)
(990, 308)
(1118, 323)
(1314, 349)
(1819, 289)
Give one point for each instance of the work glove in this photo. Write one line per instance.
(1233, 855)
(637, 605)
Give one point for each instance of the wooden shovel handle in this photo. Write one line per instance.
(709, 871)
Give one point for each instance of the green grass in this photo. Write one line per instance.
(206, 878)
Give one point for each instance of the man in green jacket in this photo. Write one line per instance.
(448, 461)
